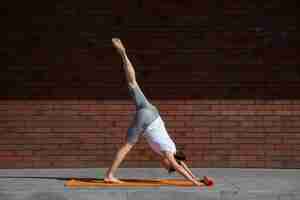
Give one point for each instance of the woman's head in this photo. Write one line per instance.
(179, 156)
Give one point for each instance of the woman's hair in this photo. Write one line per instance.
(179, 156)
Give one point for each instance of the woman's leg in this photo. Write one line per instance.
(130, 76)
(139, 122)
(128, 67)
(138, 97)
(122, 152)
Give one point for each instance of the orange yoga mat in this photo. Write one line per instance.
(73, 182)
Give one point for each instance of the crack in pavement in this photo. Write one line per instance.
(235, 186)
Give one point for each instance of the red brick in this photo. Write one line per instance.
(10, 158)
(7, 153)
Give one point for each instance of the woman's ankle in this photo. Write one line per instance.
(109, 175)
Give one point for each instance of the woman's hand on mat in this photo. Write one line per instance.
(118, 44)
(197, 183)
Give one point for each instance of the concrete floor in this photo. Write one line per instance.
(230, 184)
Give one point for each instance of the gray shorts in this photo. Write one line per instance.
(145, 114)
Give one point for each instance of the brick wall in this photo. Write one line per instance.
(224, 77)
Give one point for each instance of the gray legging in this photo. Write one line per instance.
(145, 114)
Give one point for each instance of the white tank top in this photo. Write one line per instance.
(158, 138)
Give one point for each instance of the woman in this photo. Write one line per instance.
(148, 123)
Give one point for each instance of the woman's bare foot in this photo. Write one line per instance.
(112, 180)
(118, 44)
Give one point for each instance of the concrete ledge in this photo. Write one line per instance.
(230, 184)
